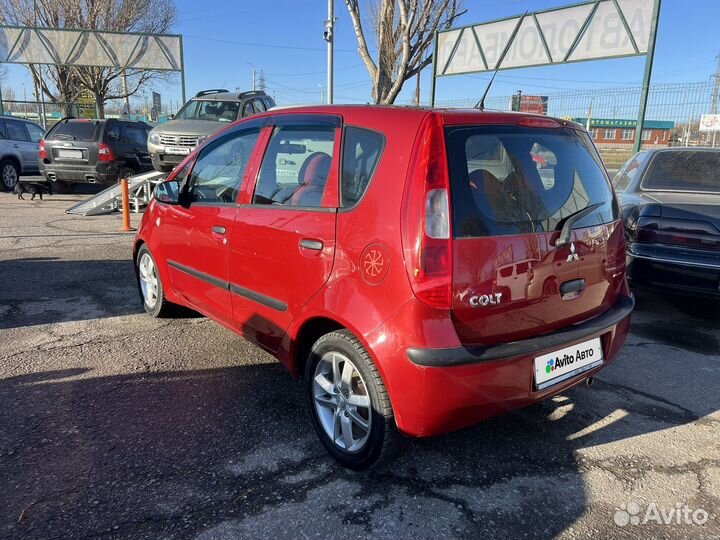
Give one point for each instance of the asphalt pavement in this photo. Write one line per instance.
(116, 425)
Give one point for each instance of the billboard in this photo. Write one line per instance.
(710, 122)
(529, 103)
(20, 45)
(593, 30)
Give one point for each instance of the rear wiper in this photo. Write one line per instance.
(564, 237)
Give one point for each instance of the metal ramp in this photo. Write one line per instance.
(110, 200)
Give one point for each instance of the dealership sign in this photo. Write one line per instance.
(710, 122)
(589, 31)
(20, 45)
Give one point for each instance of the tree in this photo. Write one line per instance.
(66, 83)
(403, 32)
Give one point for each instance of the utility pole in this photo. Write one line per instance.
(253, 78)
(127, 97)
(328, 36)
(417, 90)
(716, 88)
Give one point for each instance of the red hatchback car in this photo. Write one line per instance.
(420, 269)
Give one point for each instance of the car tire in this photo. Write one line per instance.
(350, 410)
(152, 292)
(127, 173)
(9, 174)
(64, 187)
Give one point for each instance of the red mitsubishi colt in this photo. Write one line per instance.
(419, 269)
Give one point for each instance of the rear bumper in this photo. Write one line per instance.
(107, 174)
(431, 396)
(686, 271)
(457, 356)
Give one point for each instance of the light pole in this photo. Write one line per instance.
(253, 73)
(330, 38)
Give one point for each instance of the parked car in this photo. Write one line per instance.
(209, 111)
(671, 209)
(19, 140)
(361, 245)
(77, 151)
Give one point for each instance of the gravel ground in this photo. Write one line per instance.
(115, 425)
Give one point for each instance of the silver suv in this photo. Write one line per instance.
(19, 140)
(199, 118)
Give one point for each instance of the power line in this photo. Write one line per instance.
(265, 45)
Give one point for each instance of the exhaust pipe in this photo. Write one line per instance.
(589, 381)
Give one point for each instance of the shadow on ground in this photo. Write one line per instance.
(228, 453)
(49, 290)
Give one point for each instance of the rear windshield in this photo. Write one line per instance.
(514, 180)
(684, 171)
(76, 131)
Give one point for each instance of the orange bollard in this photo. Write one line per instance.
(125, 206)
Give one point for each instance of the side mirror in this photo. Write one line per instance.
(171, 116)
(167, 192)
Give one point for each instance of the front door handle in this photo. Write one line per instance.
(218, 229)
(309, 243)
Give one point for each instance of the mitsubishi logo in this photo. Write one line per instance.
(573, 256)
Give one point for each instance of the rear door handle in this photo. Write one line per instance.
(218, 229)
(309, 243)
(575, 285)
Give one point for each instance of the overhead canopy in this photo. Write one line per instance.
(588, 31)
(20, 45)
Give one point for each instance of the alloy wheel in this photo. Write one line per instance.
(148, 280)
(342, 402)
(9, 176)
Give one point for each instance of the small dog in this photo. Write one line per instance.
(36, 188)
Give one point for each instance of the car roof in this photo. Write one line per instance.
(450, 116)
(681, 149)
(6, 117)
(230, 96)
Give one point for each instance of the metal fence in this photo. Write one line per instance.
(672, 119)
(32, 110)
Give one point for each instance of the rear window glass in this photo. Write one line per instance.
(684, 171)
(76, 131)
(515, 180)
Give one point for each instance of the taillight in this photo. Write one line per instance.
(104, 153)
(678, 232)
(427, 231)
(41, 150)
(531, 121)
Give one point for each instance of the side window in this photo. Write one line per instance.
(296, 166)
(15, 131)
(248, 109)
(628, 172)
(259, 105)
(269, 103)
(136, 136)
(361, 154)
(36, 132)
(219, 170)
(3, 135)
(112, 132)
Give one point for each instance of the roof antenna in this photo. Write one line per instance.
(481, 104)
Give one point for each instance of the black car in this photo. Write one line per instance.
(93, 151)
(670, 201)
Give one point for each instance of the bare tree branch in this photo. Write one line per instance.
(404, 31)
(66, 82)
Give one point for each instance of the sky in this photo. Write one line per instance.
(224, 40)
